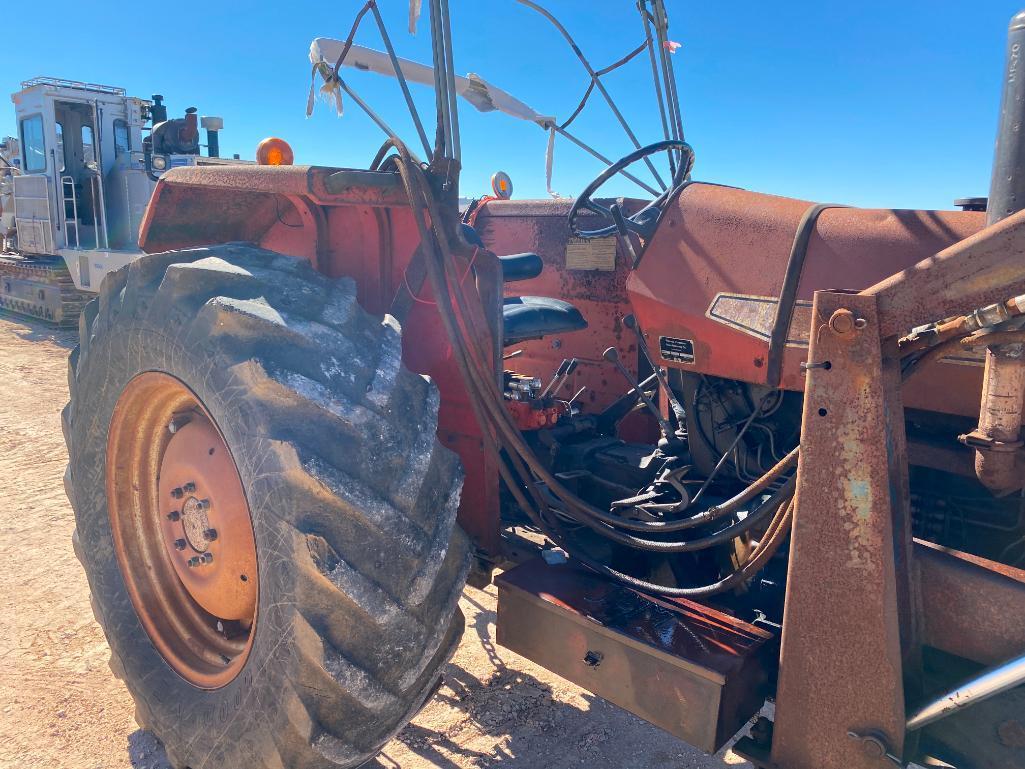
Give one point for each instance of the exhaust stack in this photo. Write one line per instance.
(212, 125)
(997, 439)
(157, 111)
(1007, 187)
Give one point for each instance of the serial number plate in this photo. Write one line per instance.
(676, 350)
(591, 254)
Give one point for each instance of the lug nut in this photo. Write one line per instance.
(177, 423)
(173, 516)
(208, 557)
(189, 487)
(210, 534)
(177, 493)
(203, 504)
(194, 561)
(179, 544)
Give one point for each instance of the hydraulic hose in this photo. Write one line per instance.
(467, 329)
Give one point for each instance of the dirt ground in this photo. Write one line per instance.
(61, 707)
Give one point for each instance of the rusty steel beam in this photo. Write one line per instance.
(970, 606)
(842, 663)
(982, 269)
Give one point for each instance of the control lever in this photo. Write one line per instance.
(624, 234)
(572, 400)
(566, 368)
(631, 323)
(612, 356)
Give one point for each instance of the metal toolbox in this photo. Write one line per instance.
(694, 671)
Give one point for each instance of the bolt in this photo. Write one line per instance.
(873, 746)
(208, 557)
(842, 321)
(177, 493)
(194, 561)
(210, 534)
(173, 516)
(189, 487)
(179, 544)
(203, 504)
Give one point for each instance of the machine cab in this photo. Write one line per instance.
(87, 171)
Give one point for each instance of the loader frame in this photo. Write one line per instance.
(863, 597)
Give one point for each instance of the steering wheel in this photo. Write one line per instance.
(643, 222)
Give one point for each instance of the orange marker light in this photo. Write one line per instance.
(501, 185)
(274, 152)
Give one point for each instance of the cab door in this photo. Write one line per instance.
(36, 194)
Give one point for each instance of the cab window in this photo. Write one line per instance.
(33, 145)
(88, 148)
(60, 147)
(122, 144)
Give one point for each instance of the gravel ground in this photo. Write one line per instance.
(61, 707)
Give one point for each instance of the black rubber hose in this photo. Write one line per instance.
(489, 398)
(720, 537)
(418, 189)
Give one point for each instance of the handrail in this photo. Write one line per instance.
(96, 222)
(66, 182)
(78, 85)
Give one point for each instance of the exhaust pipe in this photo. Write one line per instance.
(1007, 186)
(157, 110)
(212, 125)
(997, 438)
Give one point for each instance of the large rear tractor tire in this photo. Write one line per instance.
(263, 510)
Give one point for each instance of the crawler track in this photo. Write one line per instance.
(40, 288)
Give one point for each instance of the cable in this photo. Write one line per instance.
(469, 335)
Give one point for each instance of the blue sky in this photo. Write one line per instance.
(871, 103)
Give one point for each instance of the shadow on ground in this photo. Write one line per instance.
(534, 730)
(39, 331)
(146, 751)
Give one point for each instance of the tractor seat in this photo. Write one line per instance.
(532, 317)
(520, 267)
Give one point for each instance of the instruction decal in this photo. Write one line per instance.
(676, 350)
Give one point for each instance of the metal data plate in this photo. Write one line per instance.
(689, 669)
(591, 254)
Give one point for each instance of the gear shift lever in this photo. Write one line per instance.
(612, 356)
(631, 323)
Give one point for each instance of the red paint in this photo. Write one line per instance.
(363, 232)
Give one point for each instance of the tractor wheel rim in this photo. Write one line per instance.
(182, 530)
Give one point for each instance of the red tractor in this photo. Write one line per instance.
(725, 447)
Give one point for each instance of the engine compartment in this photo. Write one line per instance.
(699, 308)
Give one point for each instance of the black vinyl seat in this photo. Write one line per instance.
(532, 317)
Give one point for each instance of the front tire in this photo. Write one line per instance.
(351, 499)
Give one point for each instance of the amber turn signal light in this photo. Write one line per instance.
(274, 152)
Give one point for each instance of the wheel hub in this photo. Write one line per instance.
(197, 524)
(207, 508)
(182, 529)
